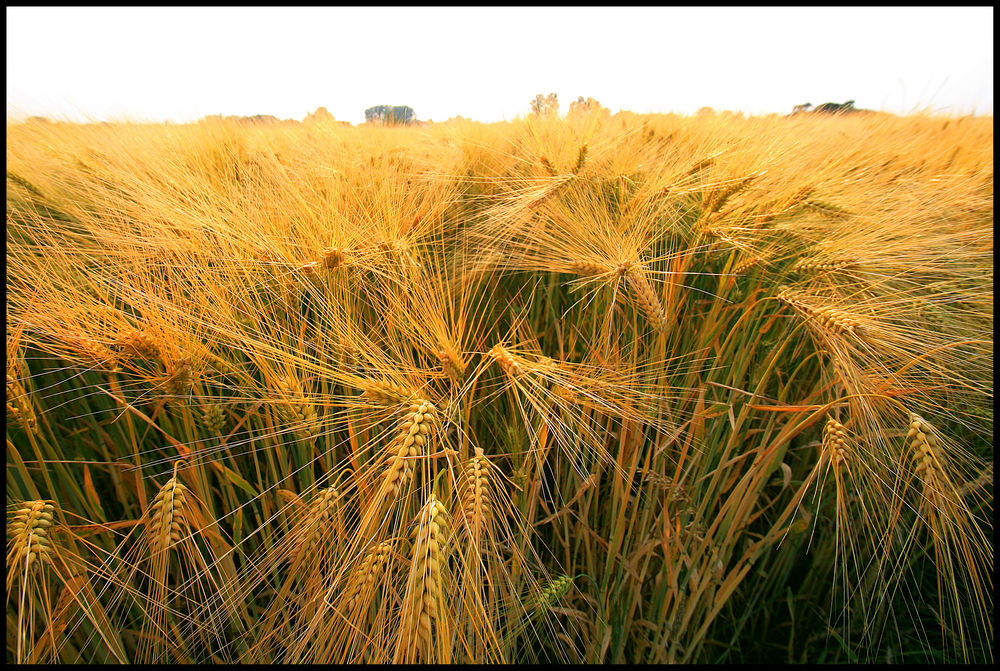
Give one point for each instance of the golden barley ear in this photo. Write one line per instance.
(827, 318)
(647, 299)
(387, 393)
(581, 159)
(28, 542)
(321, 525)
(29, 555)
(835, 442)
(414, 437)
(477, 500)
(423, 605)
(20, 411)
(364, 580)
(929, 459)
(296, 410)
(213, 417)
(167, 520)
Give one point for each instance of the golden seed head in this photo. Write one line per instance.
(387, 393)
(452, 363)
(317, 523)
(140, 344)
(505, 360)
(214, 418)
(295, 409)
(588, 267)
(414, 435)
(167, 521)
(333, 258)
(28, 533)
(835, 441)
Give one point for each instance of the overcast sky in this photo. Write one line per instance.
(181, 64)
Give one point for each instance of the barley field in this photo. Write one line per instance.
(629, 388)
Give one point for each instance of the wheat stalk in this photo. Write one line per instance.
(588, 268)
(424, 593)
(365, 578)
(505, 360)
(581, 159)
(477, 504)
(28, 541)
(926, 453)
(141, 344)
(644, 295)
(823, 265)
(318, 523)
(452, 363)
(414, 435)
(213, 416)
(835, 442)
(828, 317)
(387, 393)
(295, 410)
(179, 377)
(19, 409)
(167, 520)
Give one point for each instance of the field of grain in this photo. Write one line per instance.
(589, 389)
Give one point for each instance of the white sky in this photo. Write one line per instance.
(488, 63)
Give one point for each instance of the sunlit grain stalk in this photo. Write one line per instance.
(823, 265)
(477, 503)
(387, 393)
(213, 417)
(28, 541)
(588, 268)
(424, 598)
(827, 317)
(167, 522)
(140, 344)
(748, 262)
(322, 524)
(928, 458)
(581, 159)
(549, 190)
(452, 363)
(296, 410)
(413, 438)
(365, 578)
(644, 295)
(826, 208)
(19, 409)
(179, 377)
(835, 442)
(29, 548)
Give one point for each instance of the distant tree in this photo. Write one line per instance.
(390, 115)
(375, 114)
(545, 105)
(402, 115)
(583, 106)
(805, 107)
(836, 108)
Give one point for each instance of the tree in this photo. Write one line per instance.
(545, 105)
(398, 115)
(584, 106)
(836, 108)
